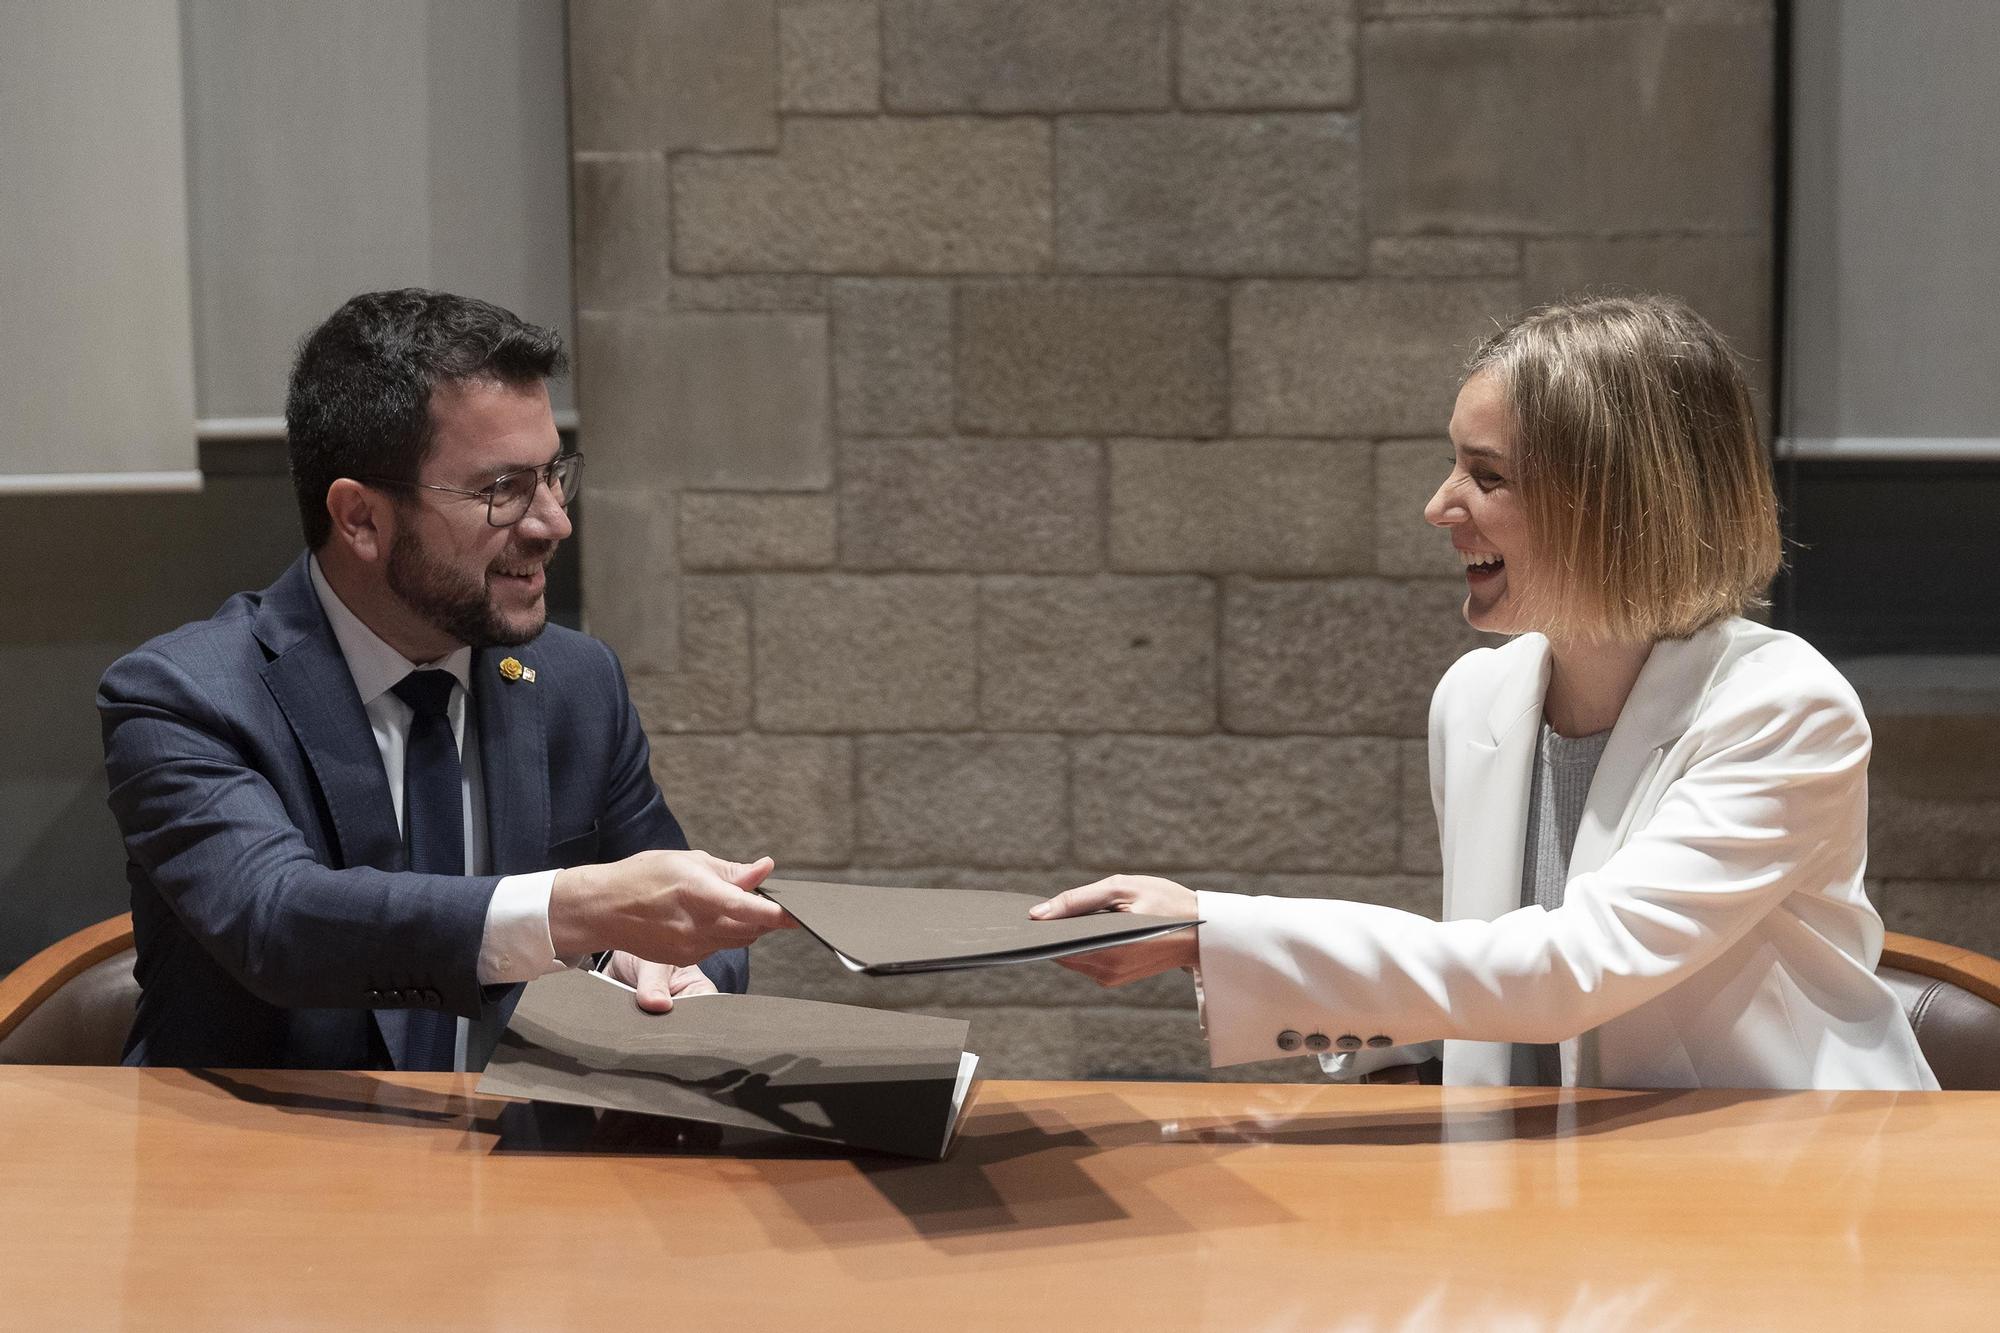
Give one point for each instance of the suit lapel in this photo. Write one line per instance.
(315, 690)
(314, 687)
(514, 760)
(1487, 824)
(1491, 776)
(1658, 712)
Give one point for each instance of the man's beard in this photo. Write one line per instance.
(453, 603)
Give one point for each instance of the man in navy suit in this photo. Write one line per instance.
(362, 806)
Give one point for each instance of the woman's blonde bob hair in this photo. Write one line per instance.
(1637, 458)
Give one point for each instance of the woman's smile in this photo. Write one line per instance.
(1480, 565)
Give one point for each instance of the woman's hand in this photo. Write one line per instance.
(657, 985)
(1145, 894)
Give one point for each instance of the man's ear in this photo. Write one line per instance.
(363, 519)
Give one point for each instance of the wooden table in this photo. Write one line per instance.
(166, 1199)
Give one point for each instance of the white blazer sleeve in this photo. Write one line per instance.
(1774, 776)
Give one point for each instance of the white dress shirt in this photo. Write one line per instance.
(515, 945)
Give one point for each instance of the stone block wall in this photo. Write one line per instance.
(1009, 420)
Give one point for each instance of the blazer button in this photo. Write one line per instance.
(1317, 1042)
(1288, 1040)
(1349, 1042)
(432, 997)
(1379, 1042)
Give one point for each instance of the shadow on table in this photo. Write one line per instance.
(1021, 1179)
(1559, 1114)
(935, 1197)
(355, 1095)
(1018, 1178)
(951, 1196)
(1006, 1180)
(1045, 1183)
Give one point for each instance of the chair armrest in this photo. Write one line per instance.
(41, 976)
(1946, 962)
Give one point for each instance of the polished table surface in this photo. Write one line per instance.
(168, 1198)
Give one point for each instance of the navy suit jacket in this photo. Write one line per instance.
(276, 921)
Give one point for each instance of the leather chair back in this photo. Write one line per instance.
(83, 1023)
(1952, 996)
(1958, 1030)
(72, 1003)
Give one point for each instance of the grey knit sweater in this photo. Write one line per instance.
(1564, 767)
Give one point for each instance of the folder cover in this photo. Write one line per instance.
(863, 1078)
(886, 932)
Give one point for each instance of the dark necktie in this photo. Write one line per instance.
(434, 831)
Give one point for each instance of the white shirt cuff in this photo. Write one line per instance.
(516, 944)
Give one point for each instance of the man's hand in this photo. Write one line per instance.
(657, 985)
(675, 907)
(1146, 895)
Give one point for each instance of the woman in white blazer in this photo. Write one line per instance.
(1688, 912)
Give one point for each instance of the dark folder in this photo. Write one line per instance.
(886, 931)
(863, 1078)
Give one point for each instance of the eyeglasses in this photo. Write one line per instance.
(512, 494)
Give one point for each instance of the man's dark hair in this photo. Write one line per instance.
(359, 402)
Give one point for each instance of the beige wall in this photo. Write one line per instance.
(1018, 411)
(1009, 419)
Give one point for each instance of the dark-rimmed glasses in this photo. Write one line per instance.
(512, 494)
